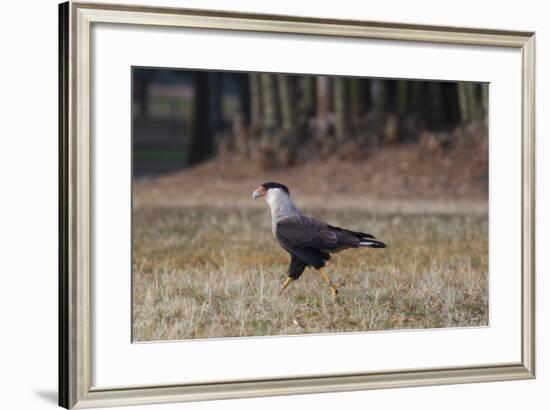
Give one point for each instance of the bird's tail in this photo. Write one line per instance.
(371, 243)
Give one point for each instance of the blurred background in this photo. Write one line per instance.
(404, 137)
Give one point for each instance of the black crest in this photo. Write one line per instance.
(268, 185)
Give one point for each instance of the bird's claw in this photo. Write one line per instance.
(287, 282)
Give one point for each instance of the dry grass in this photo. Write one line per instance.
(203, 271)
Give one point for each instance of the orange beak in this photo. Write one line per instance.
(260, 191)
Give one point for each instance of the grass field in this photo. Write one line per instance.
(203, 270)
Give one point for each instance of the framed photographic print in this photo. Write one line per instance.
(255, 205)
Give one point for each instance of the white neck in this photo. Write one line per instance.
(280, 203)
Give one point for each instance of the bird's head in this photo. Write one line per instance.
(269, 190)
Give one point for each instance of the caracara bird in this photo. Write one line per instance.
(309, 241)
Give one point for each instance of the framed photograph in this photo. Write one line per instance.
(256, 205)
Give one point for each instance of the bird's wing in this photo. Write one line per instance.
(300, 231)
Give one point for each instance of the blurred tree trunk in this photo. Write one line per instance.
(245, 105)
(357, 103)
(435, 114)
(451, 106)
(379, 96)
(402, 97)
(467, 101)
(323, 105)
(255, 102)
(214, 100)
(143, 96)
(485, 100)
(473, 105)
(202, 144)
(270, 115)
(287, 98)
(307, 101)
(341, 111)
(417, 97)
(240, 143)
(462, 102)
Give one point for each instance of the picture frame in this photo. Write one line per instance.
(75, 205)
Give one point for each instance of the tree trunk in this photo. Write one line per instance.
(244, 97)
(202, 144)
(255, 102)
(143, 96)
(379, 96)
(287, 98)
(485, 100)
(402, 97)
(418, 99)
(270, 115)
(435, 114)
(473, 106)
(356, 99)
(214, 90)
(307, 100)
(341, 112)
(323, 104)
(463, 102)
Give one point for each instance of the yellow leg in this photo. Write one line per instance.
(288, 281)
(333, 287)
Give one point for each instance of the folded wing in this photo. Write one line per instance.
(312, 240)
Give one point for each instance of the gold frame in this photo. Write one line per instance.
(75, 354)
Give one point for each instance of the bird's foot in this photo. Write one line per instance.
(334, 289)
(288, 281)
